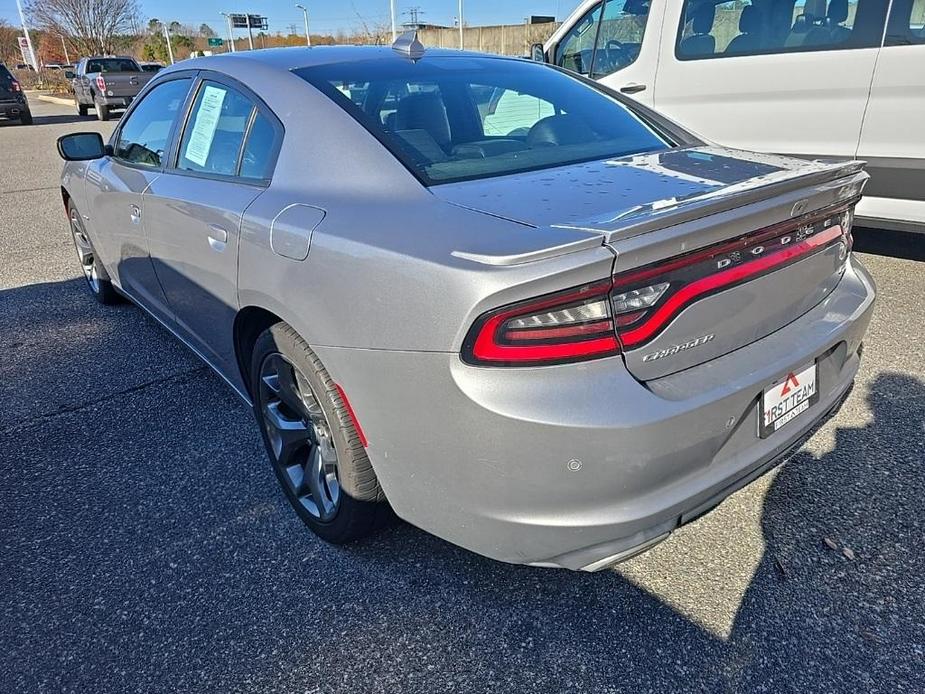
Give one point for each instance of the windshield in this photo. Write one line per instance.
(459, 118)
(112, 65)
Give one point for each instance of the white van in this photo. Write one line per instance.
(812, 78)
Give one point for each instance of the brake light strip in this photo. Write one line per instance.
(728, 277)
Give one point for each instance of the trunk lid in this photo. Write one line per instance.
(715, 248)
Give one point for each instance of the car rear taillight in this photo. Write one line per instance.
(15, 86)
(100, 83)
(634, 307)
(572, 325)
(647, 299)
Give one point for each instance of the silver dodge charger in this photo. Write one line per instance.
(528, 315)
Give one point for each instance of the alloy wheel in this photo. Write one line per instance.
(85, 253)
(299, 436)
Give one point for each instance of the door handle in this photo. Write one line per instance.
(632, 88)
(217, 237)
(135, 213)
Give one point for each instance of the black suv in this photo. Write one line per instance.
(13, 102)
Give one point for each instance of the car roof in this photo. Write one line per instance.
(293, 58)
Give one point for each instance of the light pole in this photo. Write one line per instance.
(230, 33)
(308, 37)
(394, 29)
(169, 47)
(67, 59)
(461, 42)
(25, 30)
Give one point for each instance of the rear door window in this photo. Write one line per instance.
(215, 130)
(259, 150)
(761, 27)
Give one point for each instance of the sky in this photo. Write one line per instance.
(327, 16)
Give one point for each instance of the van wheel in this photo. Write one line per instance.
(97, 278)
(313, 446)
(102, 111)
(82, 109)
(25, 118)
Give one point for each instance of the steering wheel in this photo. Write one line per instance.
(616, 54)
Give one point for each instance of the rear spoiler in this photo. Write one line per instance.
(825, 182)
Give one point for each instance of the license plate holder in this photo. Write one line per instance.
(787, 399)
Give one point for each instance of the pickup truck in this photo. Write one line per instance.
(106, 83)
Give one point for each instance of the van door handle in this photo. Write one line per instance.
(632, 88)
(217, 237)
(135, 213)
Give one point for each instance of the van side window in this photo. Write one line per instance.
(575, 51)
(760, 27)
(620, 35)
(907, 23)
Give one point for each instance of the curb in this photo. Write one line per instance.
(55, 99)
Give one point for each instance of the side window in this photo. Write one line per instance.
(619, 38)
(907, 23)
(761, 27)
(576, 49)
(512, 113)
(215, 130)
(144, 134)
(258, 158)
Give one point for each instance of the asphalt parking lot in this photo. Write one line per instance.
(146, 546)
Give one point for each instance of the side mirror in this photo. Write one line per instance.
(537, 53)
(69, 74)
(81, 147)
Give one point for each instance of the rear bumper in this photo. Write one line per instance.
(580, 465)
(115, 101)
(12, 108)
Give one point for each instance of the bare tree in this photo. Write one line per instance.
(95, 26)
(9, 46)
(371, 32)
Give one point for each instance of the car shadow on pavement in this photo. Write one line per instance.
(48, 120)
(147, 547)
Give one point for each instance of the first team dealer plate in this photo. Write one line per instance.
(787, 399)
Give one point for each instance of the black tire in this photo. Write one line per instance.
(82, 109)
(25, 118)
(360, 507)
(94, 272)
(102, 111)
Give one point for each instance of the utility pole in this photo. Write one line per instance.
(67, 59)
(250, 34)
(169, 47)
(394, 27)
(25, 31)
(461, 41)
(308, 37)
(230, 31)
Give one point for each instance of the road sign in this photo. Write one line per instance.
(254, 21)
(24, 49)
(216, 42)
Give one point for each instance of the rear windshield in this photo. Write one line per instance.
(112, 65)
(459, 118)
(5, 75)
